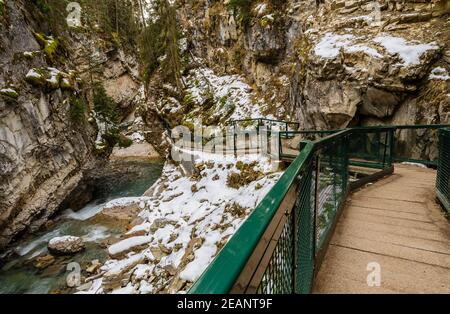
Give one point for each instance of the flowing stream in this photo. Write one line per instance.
(19, 274)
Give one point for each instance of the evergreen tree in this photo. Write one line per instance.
(159, 41)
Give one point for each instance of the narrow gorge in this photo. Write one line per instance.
(90, 91)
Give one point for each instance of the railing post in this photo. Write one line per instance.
(386, 141)
(346, 161)
(302, 145)
(392, 152)
(280, 147)
(235, 144)
(391, 147)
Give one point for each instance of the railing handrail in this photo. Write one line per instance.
(377, 127)
(231, 122)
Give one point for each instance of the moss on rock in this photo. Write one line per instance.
(51, 78)
(9, 91)
(36, 77)
(48, 44)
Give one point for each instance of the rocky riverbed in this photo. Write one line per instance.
(29, 267)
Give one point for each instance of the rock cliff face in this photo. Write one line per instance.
(348, 62)
(44, 150)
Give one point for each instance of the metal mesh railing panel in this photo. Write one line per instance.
(331, 187)
(371, 149)
(443, 174)
(417, 145)
(278, 278)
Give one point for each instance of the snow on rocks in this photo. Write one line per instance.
(127, 245)
(260, 9)
(123, 210)
(126, 201)
(439, 73)
(414, 164)
(137, 137)
(139, 229)
(65, 245)
(410, 53)
(233, 97)
(115, 271)
(330, 45)
(9, 91)
(183, 228)
(33, 74)
(51, 78)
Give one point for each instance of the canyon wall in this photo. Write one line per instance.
(330, 64)
(46, 141)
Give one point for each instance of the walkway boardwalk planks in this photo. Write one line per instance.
(396, 223)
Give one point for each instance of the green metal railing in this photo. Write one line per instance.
(279, 248)
(410, 143)
(443, 173)
(270, 124)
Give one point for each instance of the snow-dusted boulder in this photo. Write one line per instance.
(65, 245)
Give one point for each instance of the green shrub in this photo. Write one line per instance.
(77, 111)
(124, 141)
(43, 6)
(244, 7)
(9, 92)
(105, 106)
(113, 137)
(151, 43)
(2, 8)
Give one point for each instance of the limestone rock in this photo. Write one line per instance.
(93, 267)
(42, 262)
(266, 43)
(161, 223)
(66, 245)
(136, 152)
(114, 277)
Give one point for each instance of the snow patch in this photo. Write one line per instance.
(414, 164)
(410, 53)
(128, 244)
(330, 45)
(125, 201)
(137, 137)
(439, 74)
(33, 74)
(62, 239)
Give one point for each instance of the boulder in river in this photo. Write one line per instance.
(43, 262)
(66, 245)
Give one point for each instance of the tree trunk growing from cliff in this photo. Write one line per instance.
(172, 63)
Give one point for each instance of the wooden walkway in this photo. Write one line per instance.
(396, 223)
